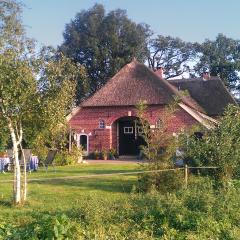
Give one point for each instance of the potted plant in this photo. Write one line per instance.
(96, 154)
(105, 154)
(113, 154)
(3, 154)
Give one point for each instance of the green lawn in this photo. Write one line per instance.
(106, 208)
(63, 194)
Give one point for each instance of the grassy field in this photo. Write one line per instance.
(108, 208)
(62, 194)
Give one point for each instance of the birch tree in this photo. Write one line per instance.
(36, 91)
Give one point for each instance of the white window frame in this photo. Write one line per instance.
(102, 124)
(128, 130)
(78, 142)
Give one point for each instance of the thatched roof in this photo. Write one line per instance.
(210, 94)
(133, 83)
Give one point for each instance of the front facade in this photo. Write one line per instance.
(108, 119)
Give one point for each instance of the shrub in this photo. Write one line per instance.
(45, 226)
(159, 149)
(68, 158)
(219, 147)
(60, 159)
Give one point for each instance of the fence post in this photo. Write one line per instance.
(186, 175)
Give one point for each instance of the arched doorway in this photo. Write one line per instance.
(129, 136)
(83, 142)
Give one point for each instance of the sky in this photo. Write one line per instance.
(191, 20)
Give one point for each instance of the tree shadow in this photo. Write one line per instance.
(86, 171)
(6, 203)
(109, 185)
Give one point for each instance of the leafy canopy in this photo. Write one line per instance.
(222, 58)
(173, 54)
(103, 43)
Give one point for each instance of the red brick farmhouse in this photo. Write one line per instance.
(107, 119)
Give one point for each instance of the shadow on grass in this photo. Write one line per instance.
(6, 203)
(85, 171)
(109, 185)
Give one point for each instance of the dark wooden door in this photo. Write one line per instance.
(129, 139)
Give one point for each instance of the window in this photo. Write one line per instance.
(101, 124)
(159, 123)
(128, 130)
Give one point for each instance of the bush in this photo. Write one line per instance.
(159, 149)
(219, 147)
(161, 181)
(68, 158)
(45, 226)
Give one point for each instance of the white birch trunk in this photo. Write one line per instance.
(17, 170)
(24, 175)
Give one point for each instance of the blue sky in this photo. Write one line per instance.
(191, 20)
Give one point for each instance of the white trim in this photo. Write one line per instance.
(78, 141)
(205, 120)
(209, 118)
(128, 130)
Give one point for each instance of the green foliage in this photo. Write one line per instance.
(68, 158)
(219, 147)
(4, 138)
(11, 30)
(32, 86)
(113, 153)
(221, 57)
(103, 43)
(173, 54)
(45, 226)
(159, 149)
(62, 159)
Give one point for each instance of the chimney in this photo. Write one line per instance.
(206, 76)
(160, 72)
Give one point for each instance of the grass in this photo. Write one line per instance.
(106, 208)
(64, 194)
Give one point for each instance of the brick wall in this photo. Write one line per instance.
(87, 121)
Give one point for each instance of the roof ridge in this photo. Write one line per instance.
(183, 98)
(212, 78)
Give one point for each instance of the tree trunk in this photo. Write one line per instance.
(17, 170)
(24, 175)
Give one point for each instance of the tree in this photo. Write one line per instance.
(159, 149)
(173, 54)
(219, 147)
(103, 43)
(36, 92)
(222, 58)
